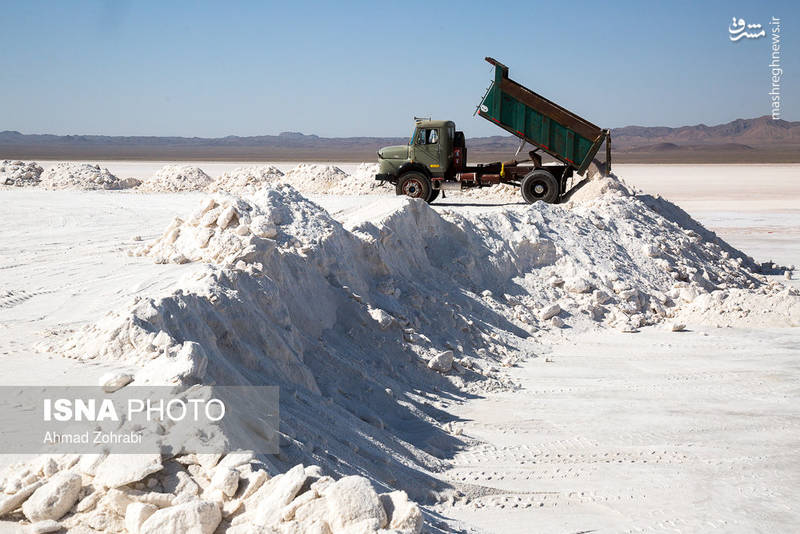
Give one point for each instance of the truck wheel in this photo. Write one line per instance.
(539, 185)
(434, 195)
(414, 184)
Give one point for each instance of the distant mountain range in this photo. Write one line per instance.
(743, 140)
(759, 140)
(762, 131)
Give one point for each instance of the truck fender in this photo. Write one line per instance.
(411, 166)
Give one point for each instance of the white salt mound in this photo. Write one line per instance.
(598, 187)
(315, 178)
(363, 182)
(347, 319)
(246, 179)
(307, 178)
(224, 227)
(19, 173)
(180, 496)
(269, 256)
(176, 178)
(501, 193)
(409, 280)
(767, 306)
(79, 176)
(595, 187)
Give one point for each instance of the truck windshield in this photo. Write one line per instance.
(426, 136)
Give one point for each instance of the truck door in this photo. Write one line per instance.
(426, 149)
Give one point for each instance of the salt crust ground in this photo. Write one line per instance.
(659, 431)
(476, 285)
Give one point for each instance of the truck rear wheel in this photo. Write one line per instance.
(539, 185)
(414, 184)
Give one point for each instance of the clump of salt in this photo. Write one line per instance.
(19, 173)
(246, 179)
(316, 178)
(147, 494)
(79, 176)
(176, 178)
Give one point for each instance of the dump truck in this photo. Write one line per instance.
(435, 158)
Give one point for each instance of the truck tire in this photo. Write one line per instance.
(434, 195)
(539, 185)
(414, 184)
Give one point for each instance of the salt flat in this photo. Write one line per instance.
(753, 207)
(651, 432)
(645, 432)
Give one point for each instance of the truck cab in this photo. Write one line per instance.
(432, 146)
(430, 152)
(429, 149)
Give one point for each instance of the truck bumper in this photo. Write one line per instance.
(384, 177)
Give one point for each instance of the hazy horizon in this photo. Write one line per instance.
(500, 133)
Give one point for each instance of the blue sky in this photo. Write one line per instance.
(366, 68)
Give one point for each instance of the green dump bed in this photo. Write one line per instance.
(542, 123)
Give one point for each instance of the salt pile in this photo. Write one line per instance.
(367, 327)
(314, 178)
(668, 251)
(495, 193)
(80, 176)
(768, 306)
(410, 280)
(246, 179)
(19, 173)
(598, 186)
(306, 178)
(224, 228)
(148, 494)
(363, 182)
(354, 363)
(176, 178)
